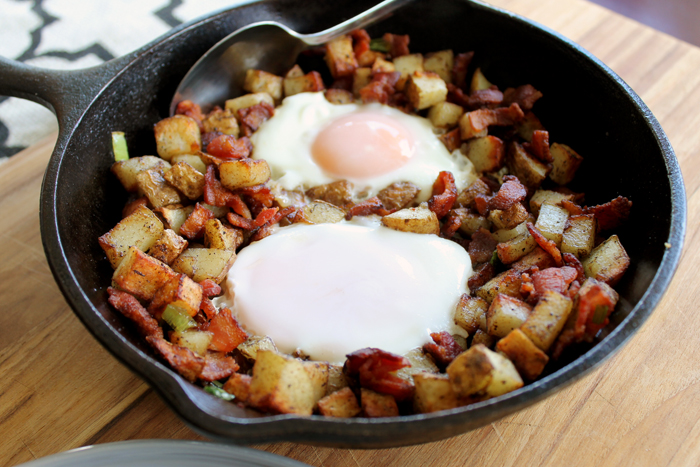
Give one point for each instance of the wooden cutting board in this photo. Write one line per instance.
(60, 390)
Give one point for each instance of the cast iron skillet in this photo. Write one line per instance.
(585, 106)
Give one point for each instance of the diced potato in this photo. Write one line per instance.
(547, 319)
(529, 170)
(243, 173)
(466, 197)
(407, 65)
(420, 363)
(141, 275)
(486, 153)
(177, 135)
(338, 193)
(424, 89)
(503, 235)
(140, 229)
(515, 248)
(261, 81)
(376, 405)
(340, 57)
(238, 384)
(551, 222)
(470, 313)
(398, 195)
(218, 211)
(528, 125)
(473, 222)
(479, 81)
(175, 215)
(318, 375)
(565, 163)
(547, 197)
(310, 82)
(470, 127)
(537, 257)
(168, 247)
(204, 263)
(339, 404)
(505, 314)
(336, 379)
(607, 262)
(441, 63)
(419, 220)
(445, 114)
(248, 100)
(196, 341)
(510, 218)
(579, 235)
(527, 358)
(320, 212)
(507, 282)
(187, 179)
(250, 348)
(126, 171)
(180, 291)
(223, 121)
(484, 338)
(382, 66)
(339, 96)
(480, 370)
(294, 72)
(221, 237)
(434, 393)
(153, 186)
(361, 78)
(192, 159)
(281, 384)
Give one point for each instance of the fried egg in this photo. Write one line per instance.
(331, 289)
(311, 142)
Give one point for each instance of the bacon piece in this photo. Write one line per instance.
(181, 359)
(257, 197)
(133, 205)
(208, 308)
(525, 96)
(130, 307)
(192, 110)
(482, 275)
(218, 195)
(381, 88)
(266, 229)
(572, 261)
(481, 203)
(208, 137)
(194, 224)
(217, 366)
(264, 216)
(527, 287)
(459, 69)
(540, 145)
(444, 349)
(555, 279)
(342, 82)
(227, 147)
(476, 100)
(481, 119)
(444, 194)
(482, 246)
(375, 368)
(594, 297)
(574, 289)
(452, 140)
(210, 288)
(227, 333)
(239, 207)
(611, 214)
(252, 117)
(510, 193)
(369, 206)
(546, 244)
(573, 208)
(452, 223)
(398, 45)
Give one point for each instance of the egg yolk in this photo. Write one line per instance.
(362, 145)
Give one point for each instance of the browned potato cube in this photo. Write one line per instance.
(529, 170)
(243, 173)
(547, 319)
(168, 247)
(336, 379)
(503, 235)
(204, 263)
(565, 164)
(537, 257)
(484, 338)
(239, 385)
(527, 358)
(434, 393)
(507, 282)
(510, 218)
(470, 314)
(262, 81)
(479, 81)
(187, 179)
(375, 404)
(528, 125)
(441, 63)
(547, 197)
(340, 57)
(221, 237)
(473, 222)
(320, 212)
(551, 222)
(382, 66)
(424, 89)
(445, 114)
(250, 348)
(310, 82)
(318, 375)
(419, 220)
(192, 159)
(248, 100)
(338, 193)
(340, 404)
(153, 186)
(175, 215)
(294, 72)
(579, 235)
(407, 65)
(486, 153)
(126, 171)
(420, 363)
(470, 126)
(141, 229)
(480, 370)
(223, 121)
(141, 275)
(177, 135)
(339, 96)
(180, 291)
(398, 195)
(467, 196)
(505, 314)
(607, 262)
(361, 78)
(515, 248)
(196, 341)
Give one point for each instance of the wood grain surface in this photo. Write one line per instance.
(60, 389)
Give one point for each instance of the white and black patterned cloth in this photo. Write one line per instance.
(69, 34)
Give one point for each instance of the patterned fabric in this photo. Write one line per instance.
(69, 34)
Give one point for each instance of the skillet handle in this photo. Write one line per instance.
(67, 93)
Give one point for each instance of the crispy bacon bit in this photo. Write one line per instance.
(482, 275)
(459, 69)
(227, 333)
(227, 147)
(444, 350)
(510, 193)
(133, 205)
(546, 244)
(444, 194)
(481, 203)
(264, 216)
(525, 96)
(369, 206)
(588, 324)
(527, 287)
(375, 368)
(481, 119)
(573, 289)
(573, 208)
(208, 137)
(482, 246)
(208, 308)
(190, 109)
(210, 288)
(194, 224)
(452, 223)
(130, 307)
(398, 45)
(217, 366)
(555, 279)
(252, 117)
(381, 88)
(452, 140)
(540, 145)
(572, 261)
(342, 82)
(266, 229)
(611, 214)
(218, 195)
(182, 359)
(476, 100)
(257, 197)
(360, 35)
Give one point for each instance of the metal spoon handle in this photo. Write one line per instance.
(365, 18)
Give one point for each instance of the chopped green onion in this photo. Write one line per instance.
(600, 314)
(379, 45)
(177, 318)
(121, 153)
(495, 260)
(218, 392)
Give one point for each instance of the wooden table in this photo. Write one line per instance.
(60, 389)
